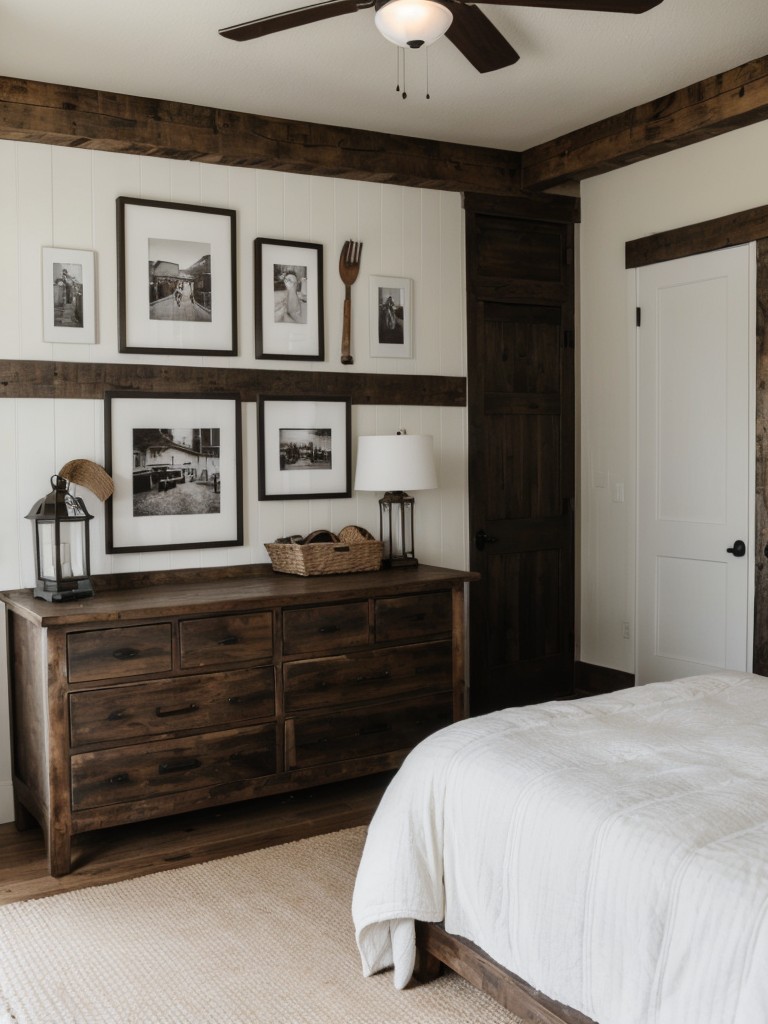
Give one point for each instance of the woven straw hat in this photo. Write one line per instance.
(90, 475)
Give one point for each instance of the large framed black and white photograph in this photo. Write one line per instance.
(177, 278)
(69, 296)
(289, 299)
(391, 333)
(176, 464)
(304, 448)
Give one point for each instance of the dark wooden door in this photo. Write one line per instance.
(521, 449)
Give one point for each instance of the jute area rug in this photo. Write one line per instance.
(260, 938)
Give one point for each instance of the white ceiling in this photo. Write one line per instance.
(575, 67)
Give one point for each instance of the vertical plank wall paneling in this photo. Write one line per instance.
(55, 196)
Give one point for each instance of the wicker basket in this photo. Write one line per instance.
(326, 559)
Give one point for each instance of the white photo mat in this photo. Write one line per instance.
(283, 418)
(144, 224)
(284, 338)
(126, 412)
(69, 296)
(391, 317)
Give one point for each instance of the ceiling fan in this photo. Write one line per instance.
(416, 23)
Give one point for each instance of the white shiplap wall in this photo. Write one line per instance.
(53, 196)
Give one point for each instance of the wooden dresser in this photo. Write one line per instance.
(152, 699)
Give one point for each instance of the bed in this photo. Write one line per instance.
(604, 859)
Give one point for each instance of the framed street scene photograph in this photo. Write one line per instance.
(176, 463)
(391, 317)
(304, 448)
(289, 299)
(177, 278)
(69, 296)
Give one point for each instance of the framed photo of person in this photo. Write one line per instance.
(177, 278)
(176, 463)
(391, 309)
(305, 448)
(289, 300)
(69, 296)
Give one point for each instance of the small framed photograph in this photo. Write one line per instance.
(69, 296)
(177, 278)
(304, 448)
(391, 317)
(289, 300)
(176, 463)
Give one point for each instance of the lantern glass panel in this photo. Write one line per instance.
(46, 550)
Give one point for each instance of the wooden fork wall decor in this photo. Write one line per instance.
(349, 266)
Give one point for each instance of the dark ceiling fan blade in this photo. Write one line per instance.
(293, 19)
(609, 6)
(478, 39)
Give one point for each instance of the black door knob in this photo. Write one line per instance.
(738, 550)
(482, 538)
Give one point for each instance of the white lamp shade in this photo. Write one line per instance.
(413, 21)
(395, 462)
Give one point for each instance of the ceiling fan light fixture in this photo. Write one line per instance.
(413, 23)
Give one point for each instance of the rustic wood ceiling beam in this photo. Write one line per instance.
(716, 105)
(67, 116)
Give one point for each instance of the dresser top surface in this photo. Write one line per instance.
(257, 590)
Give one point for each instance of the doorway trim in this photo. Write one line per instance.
(722, 233)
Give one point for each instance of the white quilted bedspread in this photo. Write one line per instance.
(611, 851)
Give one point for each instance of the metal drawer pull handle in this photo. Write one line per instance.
(227, 641)
(125, 653)
(188, 709)
(386, 674)
(328, 629)
(116, 715)
(118, 779)
(178, 766)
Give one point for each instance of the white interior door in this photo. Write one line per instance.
(695, 457)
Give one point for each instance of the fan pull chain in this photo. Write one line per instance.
(427, 56)
(397, 51)
(405, 94)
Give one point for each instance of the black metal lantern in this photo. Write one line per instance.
(396, 529)
(62, 544)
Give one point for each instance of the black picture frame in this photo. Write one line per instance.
(175, 486)
(176, 278)
(289, 320)
(305, 448)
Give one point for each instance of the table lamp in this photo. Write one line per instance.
(395, 464)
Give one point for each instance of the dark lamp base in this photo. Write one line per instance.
(401, 562)
(84, 588)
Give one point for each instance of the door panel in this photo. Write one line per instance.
(521, 427)
(694, 384)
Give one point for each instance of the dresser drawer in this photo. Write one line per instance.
(225, 639)
(325, 627)
(413, 616)
(161, 768)
(134, 711)
(367, 676)
(119, 652)
(364, 732)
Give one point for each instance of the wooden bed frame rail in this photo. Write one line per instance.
(436, 948)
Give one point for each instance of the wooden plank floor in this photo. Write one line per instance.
(113, 854)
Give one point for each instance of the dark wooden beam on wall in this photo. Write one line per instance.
(716, 105)
(719, 233)
(68, 116)
(27, 378)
